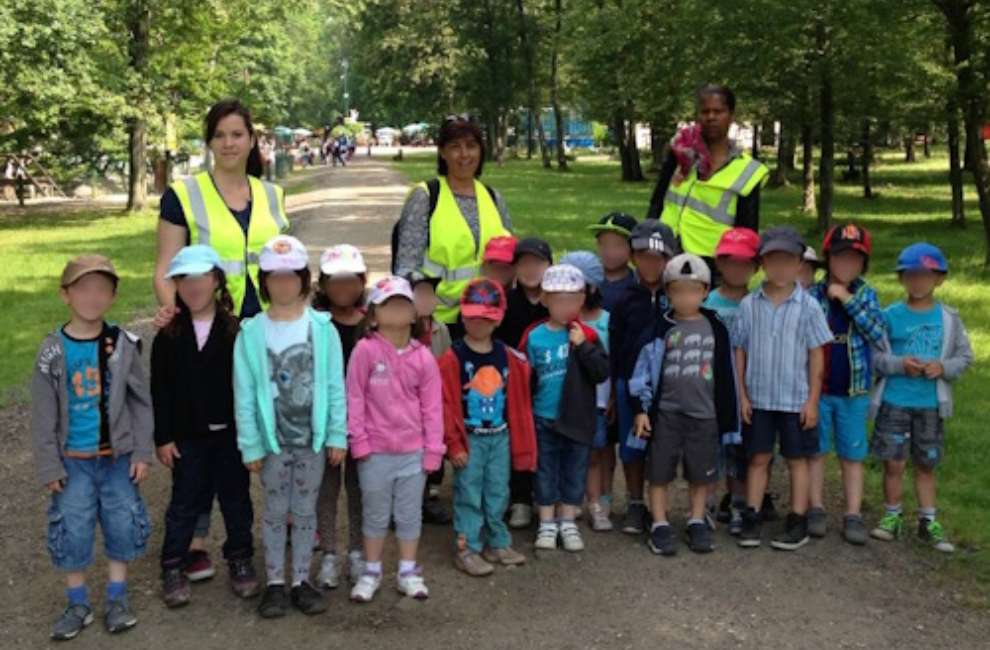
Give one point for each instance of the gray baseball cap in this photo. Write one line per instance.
(687, 267)
(782, 238)
(653, 236)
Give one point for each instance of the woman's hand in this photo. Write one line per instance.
(254, 466)
(460, 460)
(168, 454)
(55, 486)
(335, 456)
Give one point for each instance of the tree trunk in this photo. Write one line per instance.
(826, 168)
(534, 112)
(785, 158)
(808, 168)
(657, 144)
(628, 153)
(909, 155)
(554, 100)
(138, 25)
(756, 140)
(867, 145)
(955, 168)
(927, 145)
(632, 150)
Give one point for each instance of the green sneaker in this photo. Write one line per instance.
(932, 533)
(889, 527)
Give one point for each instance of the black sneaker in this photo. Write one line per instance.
(661, 541)
(243, 580)
(795, 534)
(699, 538)
(767, 509)
(635, 520)
(308, 600)
(175, 588)
(434, 513)
(752, 529)
(724, 515)
(273, 603)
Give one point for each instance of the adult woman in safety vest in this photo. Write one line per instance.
(707, 184)
(449, 243)
(230, 209)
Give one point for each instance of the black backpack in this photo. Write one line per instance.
(433, 189)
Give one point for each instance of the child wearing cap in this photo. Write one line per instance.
(612, 234)
(638, 308)
(856, 321)
(568, 362)
(498, 259)
(928, 349)
(395, 424)
(340, 292)
(685, 384)
(810, 264)
(779, 336)
(290, 410)
(488, 427)
(192, 370)
(601, 462)
(91, 428)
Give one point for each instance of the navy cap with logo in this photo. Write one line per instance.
(533, 246)
(782, 238)
(655, 237)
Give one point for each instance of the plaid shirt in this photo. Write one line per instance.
(867, 329)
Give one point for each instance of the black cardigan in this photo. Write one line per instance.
(193, 390)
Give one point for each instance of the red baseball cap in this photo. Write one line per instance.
(850, 236)
(500, 249)
(739, 242)
(483, 298)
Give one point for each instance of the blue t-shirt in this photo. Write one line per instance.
(726, 308)
(88, 383)
(547, 351)
(837, 369)
(612, 290)
(913, 334)
(484, 377)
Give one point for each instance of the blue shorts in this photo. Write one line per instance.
(96, 489)
(842, 419)
(600, 441)
(561, 469)
(624, 414)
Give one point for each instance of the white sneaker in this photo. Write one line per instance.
(412, 584)
(366, 588)
(355, 565)
(599, 519)
(546, 537)
(570, 537)
(520, 515)
(330, 571)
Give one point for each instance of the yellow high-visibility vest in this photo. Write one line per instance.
(700, 211)
(452, 255)
(211, 223)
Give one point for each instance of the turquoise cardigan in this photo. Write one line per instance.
(254, 404)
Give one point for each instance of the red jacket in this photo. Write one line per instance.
(519, 416)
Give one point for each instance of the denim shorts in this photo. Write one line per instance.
(843, 419)
(562, 466)
(899, 431)
(600, 441)
(96, 489)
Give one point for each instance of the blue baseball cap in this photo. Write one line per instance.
(922, 257)
(198, 259)
(589, 265)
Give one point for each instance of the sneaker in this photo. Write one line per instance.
(199, 566)
(794, 535)
(118, 617)
(546, 537)
(355, 565)
(273, 603)
(724, 515)
(889, 527)
(366, 587)
(330, 571)
(599, 518)
(435, 513)
(661, 541)
(175, 588)
(817, 522)
(308, 600)
(699, 538)
(854, 530)
(507, 556)
(735, 521)
(752, 529)
(767, 509)
(71, 622)
(570, 537)
(632, 522)
(411, 584)
(520, 515)
(932, 533)
(243, 580)
(473, 564)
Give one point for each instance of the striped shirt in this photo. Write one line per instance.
(776, 341)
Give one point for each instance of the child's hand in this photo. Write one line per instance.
(254, 466)
(139, 472)
(913, 367)
(577, 335)
(55, 486)
(809, 415)
(745, 409)
(336, 456)
(837, 291)
(167, 454)
(641, 426)
(164, 315)
(934, 369)
(460, 460)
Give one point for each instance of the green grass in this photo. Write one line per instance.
(913, 205)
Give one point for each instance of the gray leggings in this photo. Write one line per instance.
(392, 488)
(291, 481)
(326, 506)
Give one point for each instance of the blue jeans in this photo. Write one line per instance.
(481, 493)
(562, 467)
(843, 418)
(96, 489)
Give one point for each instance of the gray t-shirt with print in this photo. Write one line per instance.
(688, 382)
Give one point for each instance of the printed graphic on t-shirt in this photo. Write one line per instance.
(689, 356)
(484, 399)
(292, 379)
(923, 341)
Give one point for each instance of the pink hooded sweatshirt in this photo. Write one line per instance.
(394, 401)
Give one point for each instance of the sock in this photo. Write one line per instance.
(548, 524)
(893, 509)
(635, 501)
(928, 514)
(658, 524)
(77, 595)
(373, 567)
(738, 502)
(692, 521)
(406, 566)
(116, 590)
(567, 523)
(275, 583)
(605, 500)
(296, 583)
(710, 501)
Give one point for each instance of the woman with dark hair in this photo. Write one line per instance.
(707, 184)
(447, 221)
(229, 208)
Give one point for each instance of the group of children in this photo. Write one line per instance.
(636, 355)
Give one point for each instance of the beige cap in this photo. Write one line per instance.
(84, 264)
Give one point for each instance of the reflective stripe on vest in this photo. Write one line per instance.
(211, 222)
(453, 256)
(700, 211)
